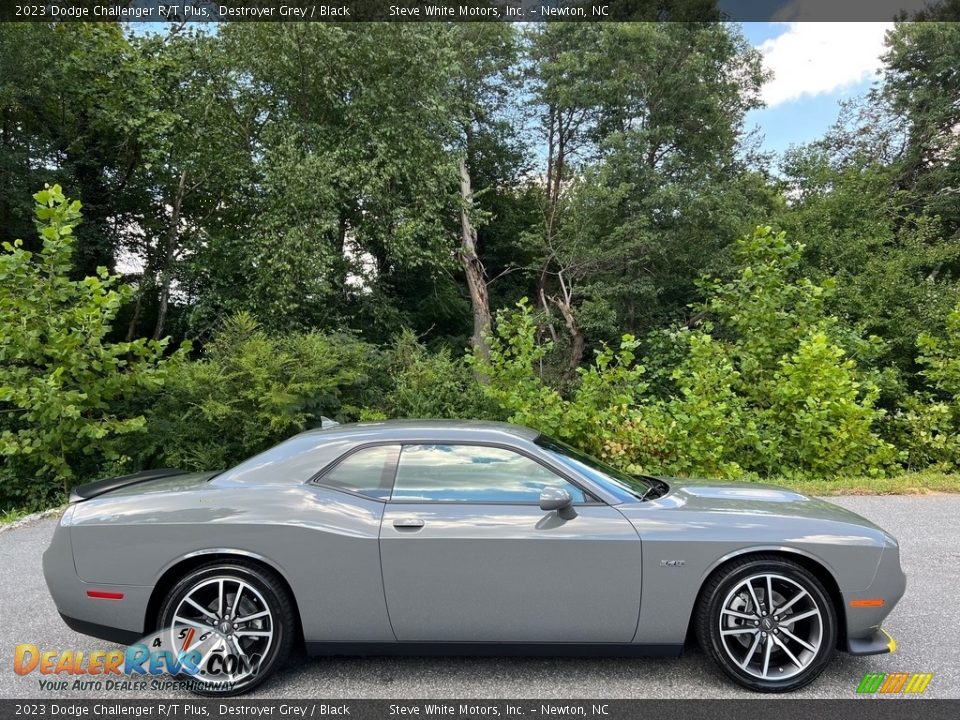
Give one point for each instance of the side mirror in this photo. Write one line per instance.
(554, 498)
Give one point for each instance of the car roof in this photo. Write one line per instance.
(298, 458)
(425, 429)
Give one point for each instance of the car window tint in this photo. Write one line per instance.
(368, 471)
(470, 473)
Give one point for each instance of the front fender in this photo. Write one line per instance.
(681, 550)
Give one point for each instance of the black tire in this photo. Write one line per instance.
(270, 594)
(744, 664)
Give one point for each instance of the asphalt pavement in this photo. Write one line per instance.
(926, 625)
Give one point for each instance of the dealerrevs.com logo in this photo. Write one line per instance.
(902, 683)
(207, 663)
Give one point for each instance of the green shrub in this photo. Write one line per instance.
(603, 412)
(424, 384)
(927, 425)
(940, 358)
(767, 308)
(822, 416)
(62, 383)
(512, 376)
(250, 390)
(927, 433)
(708, 426)
(761, 389)
(801, 404)
(766, 386)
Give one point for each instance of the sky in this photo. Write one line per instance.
(816, 65)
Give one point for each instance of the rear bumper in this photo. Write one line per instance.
(103, 632)
(108, 611)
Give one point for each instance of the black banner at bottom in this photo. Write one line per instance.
(866, 708)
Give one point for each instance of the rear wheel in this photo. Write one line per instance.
(768, 623)
(237, 621)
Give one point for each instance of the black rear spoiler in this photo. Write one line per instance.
(91, 490)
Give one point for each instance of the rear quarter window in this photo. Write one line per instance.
(368, 471)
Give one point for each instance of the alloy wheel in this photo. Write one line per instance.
(771, 627)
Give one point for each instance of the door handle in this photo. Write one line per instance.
(409, 523)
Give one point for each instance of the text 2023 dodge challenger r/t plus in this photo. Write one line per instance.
(465, 537)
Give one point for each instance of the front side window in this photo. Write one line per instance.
(368, 471)
(612, 480)
(472, 473)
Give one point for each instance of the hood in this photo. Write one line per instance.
(753, 499)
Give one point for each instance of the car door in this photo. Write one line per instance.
(469, 556)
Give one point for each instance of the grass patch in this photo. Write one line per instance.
(918, 483)
(10, 516)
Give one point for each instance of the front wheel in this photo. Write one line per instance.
(236, 621)
(768, 623)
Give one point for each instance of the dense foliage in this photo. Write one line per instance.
(930, 420)
(248, 391)
(760, 388)
(62, 381)
(284, 222)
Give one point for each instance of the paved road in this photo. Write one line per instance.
(926, 624)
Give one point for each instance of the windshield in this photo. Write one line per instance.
(614, 481)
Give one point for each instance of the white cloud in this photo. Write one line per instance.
(814, 58)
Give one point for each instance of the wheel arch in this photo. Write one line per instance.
(179, 568)
(817, 567)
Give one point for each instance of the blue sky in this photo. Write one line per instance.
(816, 66)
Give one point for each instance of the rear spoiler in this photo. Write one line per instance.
(91, 490)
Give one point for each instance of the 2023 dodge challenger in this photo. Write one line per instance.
(467, 537)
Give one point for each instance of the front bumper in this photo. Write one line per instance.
(879, 643)
(867, 609)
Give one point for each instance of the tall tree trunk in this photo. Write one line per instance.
(577, 341)
(6, 210)
(473, 268)
(556, 158)
(137, 308)
(342, 270)
(166, 274)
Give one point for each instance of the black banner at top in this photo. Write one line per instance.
(206, 11)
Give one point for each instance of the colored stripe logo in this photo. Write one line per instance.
(894, 683)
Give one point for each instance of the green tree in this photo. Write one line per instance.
(920, 88)
(875, 202)
(892, 269)
(355, 183)
(196, 172)
(666, 152)
(61, 379)
(74, 104)
(484, 87)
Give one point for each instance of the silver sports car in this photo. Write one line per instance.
(463, 538)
